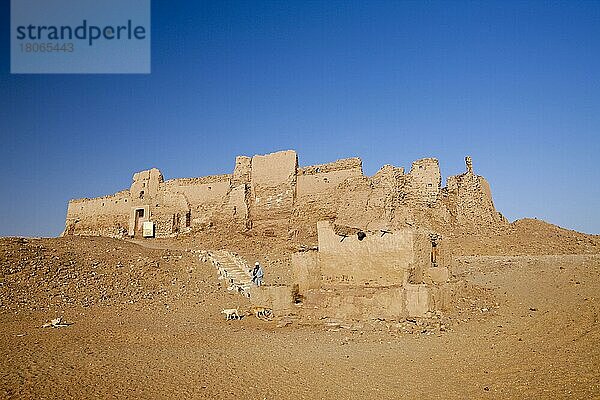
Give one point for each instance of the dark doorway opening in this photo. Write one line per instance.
(139, 214)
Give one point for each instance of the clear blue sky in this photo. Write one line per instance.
(516, 85)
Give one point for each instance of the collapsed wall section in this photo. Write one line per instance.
(469, 201)
(372, 202)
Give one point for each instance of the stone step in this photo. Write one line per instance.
(236, 270)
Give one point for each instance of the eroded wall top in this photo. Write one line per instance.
(271, 193)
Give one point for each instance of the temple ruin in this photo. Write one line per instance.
(271, 195)
(380, 251)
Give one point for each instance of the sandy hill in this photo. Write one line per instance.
(527, 237)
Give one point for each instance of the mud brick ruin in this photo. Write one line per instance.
(271, 195)
(380, 239)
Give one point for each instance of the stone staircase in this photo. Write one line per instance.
(232, 268)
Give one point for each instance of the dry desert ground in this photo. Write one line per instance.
(147, 323)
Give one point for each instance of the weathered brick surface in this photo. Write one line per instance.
(270, 195)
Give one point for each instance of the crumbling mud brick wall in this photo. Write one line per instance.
(365, 258)
(375, 202)
(174, 206)
(349, 256)
(307, 274)
(469, 201)
(273, 191)
(192, 202)
(279, 299)
(316, 180)
(423, 186)
(102, 216)
(270, 195)
(352, 303)
(357, 274)
(318, 193)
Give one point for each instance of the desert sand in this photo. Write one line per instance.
(147, 323)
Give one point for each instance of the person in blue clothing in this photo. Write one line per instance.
(257, 274)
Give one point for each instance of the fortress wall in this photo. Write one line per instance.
(101, 216)
(108, 205)
(146, 183)
(345, 164)
(356, 304)
(318, 191)
(424, 183)
(169, 212)
(275, 169)
(389, 175)
(273, 191)
(374, 261)
(470, 201)
(272, 195)
(375, 275)
(307, 273)
(237, 207)
(178, 182)
(422, 256)
(348, 203)
(389, 185)
(182, 203)
(364, 303)
(318, 183)
(310, 209)
(242, 172)
(102, 225)
(198, 193)
(360, 203)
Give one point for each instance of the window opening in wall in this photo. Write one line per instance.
(188, 219)
(142, 194)
(298, 298)
(434, 253)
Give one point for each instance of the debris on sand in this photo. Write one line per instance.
(56, 323)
